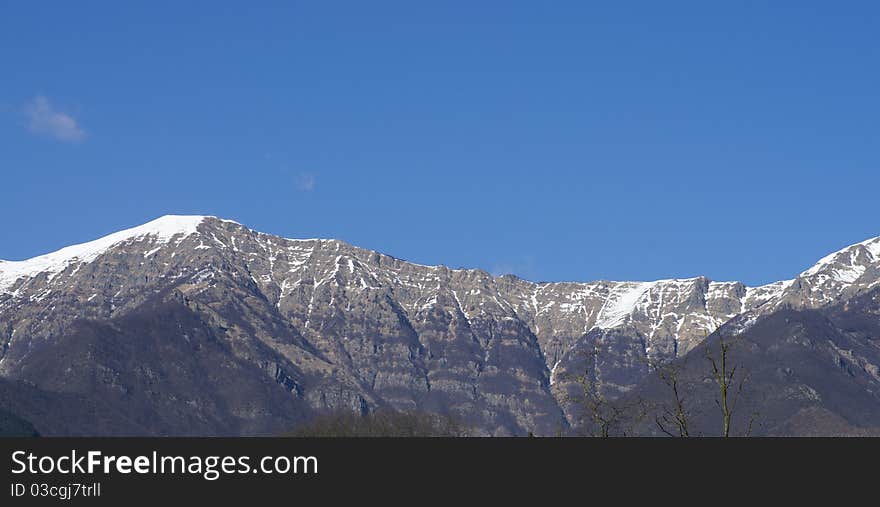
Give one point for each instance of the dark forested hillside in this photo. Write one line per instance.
(803, 372)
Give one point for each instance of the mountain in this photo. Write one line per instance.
(13, 426)
(199, 325)
(807, 372)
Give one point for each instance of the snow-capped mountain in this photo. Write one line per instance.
(838, 276)
(339, 326)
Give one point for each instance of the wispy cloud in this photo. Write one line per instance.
(523, 267)
(305, 182)
(45, 120)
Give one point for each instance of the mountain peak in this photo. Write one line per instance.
(310, 309)
(847, 262)
(162, 230)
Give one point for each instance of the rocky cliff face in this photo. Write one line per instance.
(335, 326)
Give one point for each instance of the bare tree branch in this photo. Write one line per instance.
(600, 415)
(726, 380)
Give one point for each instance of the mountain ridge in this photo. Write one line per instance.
(341, 326)
(167, 226)
(170, 225)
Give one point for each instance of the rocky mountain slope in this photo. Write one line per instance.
(806, 371)
(332, 326)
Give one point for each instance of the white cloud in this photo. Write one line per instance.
(43, 119)
(305, 182)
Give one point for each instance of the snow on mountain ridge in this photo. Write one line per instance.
(621, 304)
(872, 246)
(163, 229)
(656, 307)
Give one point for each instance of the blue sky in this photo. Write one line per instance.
(555, 140)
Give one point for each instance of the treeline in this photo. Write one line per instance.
(687, 397)
(381, 424)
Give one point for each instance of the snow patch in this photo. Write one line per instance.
(161, 231)
(850, 271)
(758, 296)
(621, 302)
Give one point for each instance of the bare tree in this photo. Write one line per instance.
(673, 420)
(600, 415)
(730, 380)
